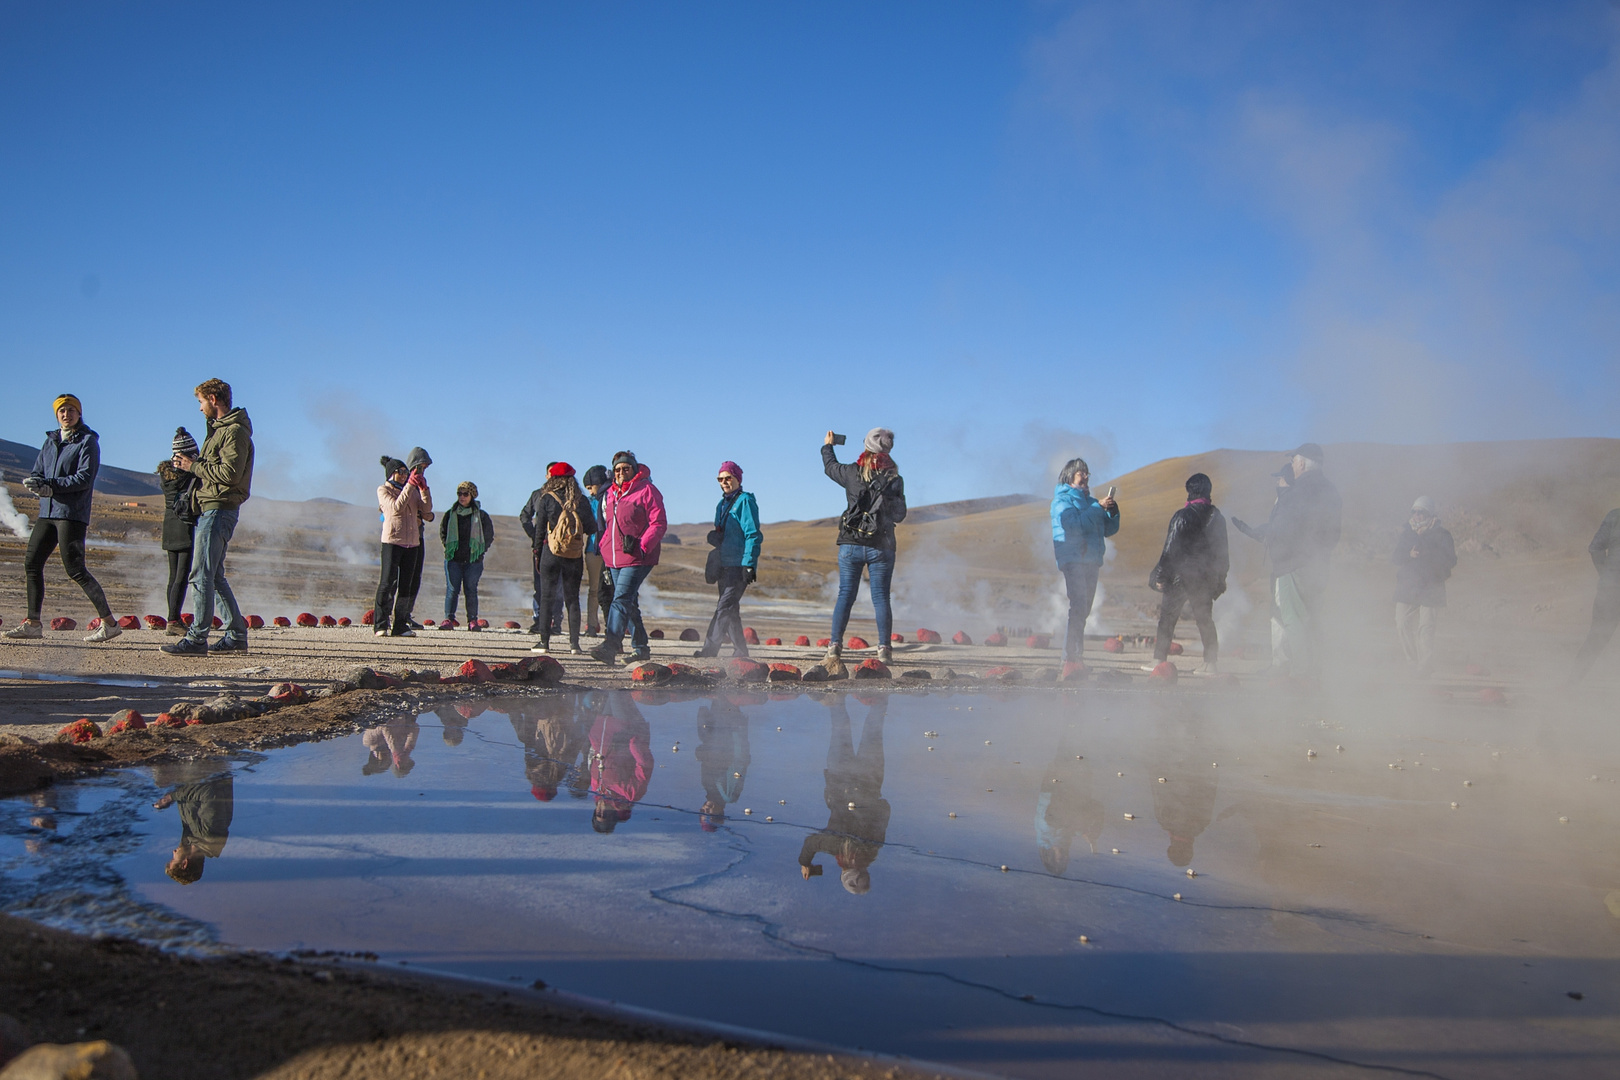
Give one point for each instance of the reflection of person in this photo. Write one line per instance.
(876, 497)
(859, 820)
(723, 759)
(1184, 804)
(552, 741)
(621, 761)
(737, 537)
(391, 745)
(1423, 559)
(205, 815)
(1079, 526)
(1300, 537)
(1605, 549)
(1191, 572)
(452, 725)
(1066, 805)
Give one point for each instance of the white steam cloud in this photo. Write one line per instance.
(11, 517)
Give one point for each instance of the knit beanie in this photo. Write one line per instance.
(560, 468)
(1199, 486)
(730, 467)
(625, 457)
(596, 476)
(391, 465)
(183, 443)
(67, 399)
(417, 459)
(879, 440)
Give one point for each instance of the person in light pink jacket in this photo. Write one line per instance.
(405, 502)
(632, 532)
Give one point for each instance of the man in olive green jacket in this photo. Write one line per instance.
(224, 474)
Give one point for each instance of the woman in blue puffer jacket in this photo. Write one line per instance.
(1079, 524)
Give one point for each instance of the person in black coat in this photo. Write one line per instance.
(1605, 550)
(876, 495)
(1424, 557)
(1191, 572)
(558, 574)
(179, 525)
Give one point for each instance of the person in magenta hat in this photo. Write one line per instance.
(734, 563)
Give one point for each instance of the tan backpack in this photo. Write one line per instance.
(566, 539)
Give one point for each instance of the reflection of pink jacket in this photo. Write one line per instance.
(637, 511)
(404, 510)
(621, 760)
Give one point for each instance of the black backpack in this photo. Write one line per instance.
(862, 521)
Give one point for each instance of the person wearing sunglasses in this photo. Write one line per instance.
(734, 563)
(632, 531)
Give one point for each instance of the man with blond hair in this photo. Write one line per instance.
(224, 472)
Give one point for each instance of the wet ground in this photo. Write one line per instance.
(1156, 884)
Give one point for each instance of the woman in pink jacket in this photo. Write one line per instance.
(631, 530)
(405, 502)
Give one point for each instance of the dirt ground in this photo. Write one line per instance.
(256, 1016)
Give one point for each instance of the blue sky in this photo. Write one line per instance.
(515, 233)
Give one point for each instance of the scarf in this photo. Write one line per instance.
(871, 464)
(475, 535)
(1198, 502)
(1421, 526)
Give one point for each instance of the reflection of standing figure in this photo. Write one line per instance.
(859, 821)
(452, 725)
(552, 743)
(621, 761)
(391, 745)
(1185, 803)
(723, 758)
(205, 815)
(1065, 806)
(1605, 549)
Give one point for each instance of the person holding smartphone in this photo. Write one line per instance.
(876, 496)
(1080, 525)
(632, 533)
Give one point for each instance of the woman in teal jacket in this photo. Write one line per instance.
(737, 536)
(1079, 524)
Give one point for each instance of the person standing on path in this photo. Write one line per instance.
(466, 533)
(1191, 573)
(876, 496)
(403, 499)
(417, 461)
(1424, 557)
(179, 524)
(561, 524)
(598, 598)
(64, 480)
(736, 537)
(633, 527)
(224, 473)
(1300, 537)
(1080, 525)
(1605, 550)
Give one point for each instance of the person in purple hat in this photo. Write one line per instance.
(734, 562)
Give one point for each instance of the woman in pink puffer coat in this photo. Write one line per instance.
(632, 531)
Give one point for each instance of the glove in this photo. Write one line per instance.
(417, 478)
(44, 490)
(32, 483)
(750, 574)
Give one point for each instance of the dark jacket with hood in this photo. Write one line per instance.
(545, 506)
(1421, 579)
(1305, 524)
(1195, 557)
(1605, 550)
(70, 468)
(224, 470)
(891, 511)
(179, 520)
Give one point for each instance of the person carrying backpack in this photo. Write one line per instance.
(877, 503)
(561, 523)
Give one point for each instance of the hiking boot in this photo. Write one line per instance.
(407, 632)
(105, 632)
(186, 646)
(227, 644)
(885, 654)
(534, 627)
(542, 649)
(25, 630)
(573, 647)
(706, 652)
(605, 653)
(413, 624)
(639, 656)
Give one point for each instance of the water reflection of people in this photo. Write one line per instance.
(206, 798)
(859, 820)
(1066, 805)
(453, 723)
(391, 745)
(723, 758)
(621, 761)
(1184, 804)
(552, 738)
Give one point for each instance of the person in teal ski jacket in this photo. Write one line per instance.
(737, 538)
(1079, 526)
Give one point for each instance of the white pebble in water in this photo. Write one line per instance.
(1454, 806)
(1119, 774)
(676, 748)
(747, 811)
(1563, 821)
(1130, 817)
(852, 806)
(1084, 940)
(1310, 753)
(1116, 851)
(987, 742)
(953, 813)
(930, 749)
(781, 802)
(1468, 783)
(1177, 896)
(1339, 749)
(778, 729)
(769, 818)
(1313, 845)
(1003, 868)
(1191, 872)
(1162, 780)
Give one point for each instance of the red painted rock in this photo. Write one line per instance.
(95, 624)
(650, 673)
(1002, 673)
(690, 634)
(187, 617)
(431, 625)
(80, 731)
(510, 625)
(897, 639)
(506, 672)
(929, 637)
(544, 669)
(255, 622)
(1176, 649)
(773, 641)
(656, 635)
(1073, 671)
(345, 621)
(327, 620)
(217, 624)
(745, 670)
(62, 622)
(685, 671)
(1038, 641)
(857, 643)
(369, 617)
(801, 640)
(156, 622)
(873, 669)
(163, 719)
(960, 638)
(306, 619)
(129, 622)
(996, 640)
(784, 673)
(288, 693)
(282, 621)
(750, 636)
(1114, 645)
(1164, 671)
(125, 720)
(474, 671)
(822, 643)
(1492, 695)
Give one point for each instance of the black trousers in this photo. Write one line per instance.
(1605, 619)
(1202, 607)
(559, 582)
(727, 620)
(47, 535)
(179, 577)
(410, 580)
(392, 602)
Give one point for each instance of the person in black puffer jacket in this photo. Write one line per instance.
(1191, 572)
(872, 484)
(179, 525)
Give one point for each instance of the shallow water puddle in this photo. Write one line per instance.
(1164, 883)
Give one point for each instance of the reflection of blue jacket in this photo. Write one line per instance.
(1079, 524)
(740, 520)
(70, 468)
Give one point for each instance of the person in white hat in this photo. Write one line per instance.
(1423, 560)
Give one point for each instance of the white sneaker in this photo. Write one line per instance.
(1207, 669)
(885, 654)
(1150, 666)
(542, 650)
(105, 632)
(25, 630)
(382, 633)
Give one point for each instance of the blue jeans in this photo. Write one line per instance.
(625, 613)
(459, 576)
(879, 570)
(214, 531)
